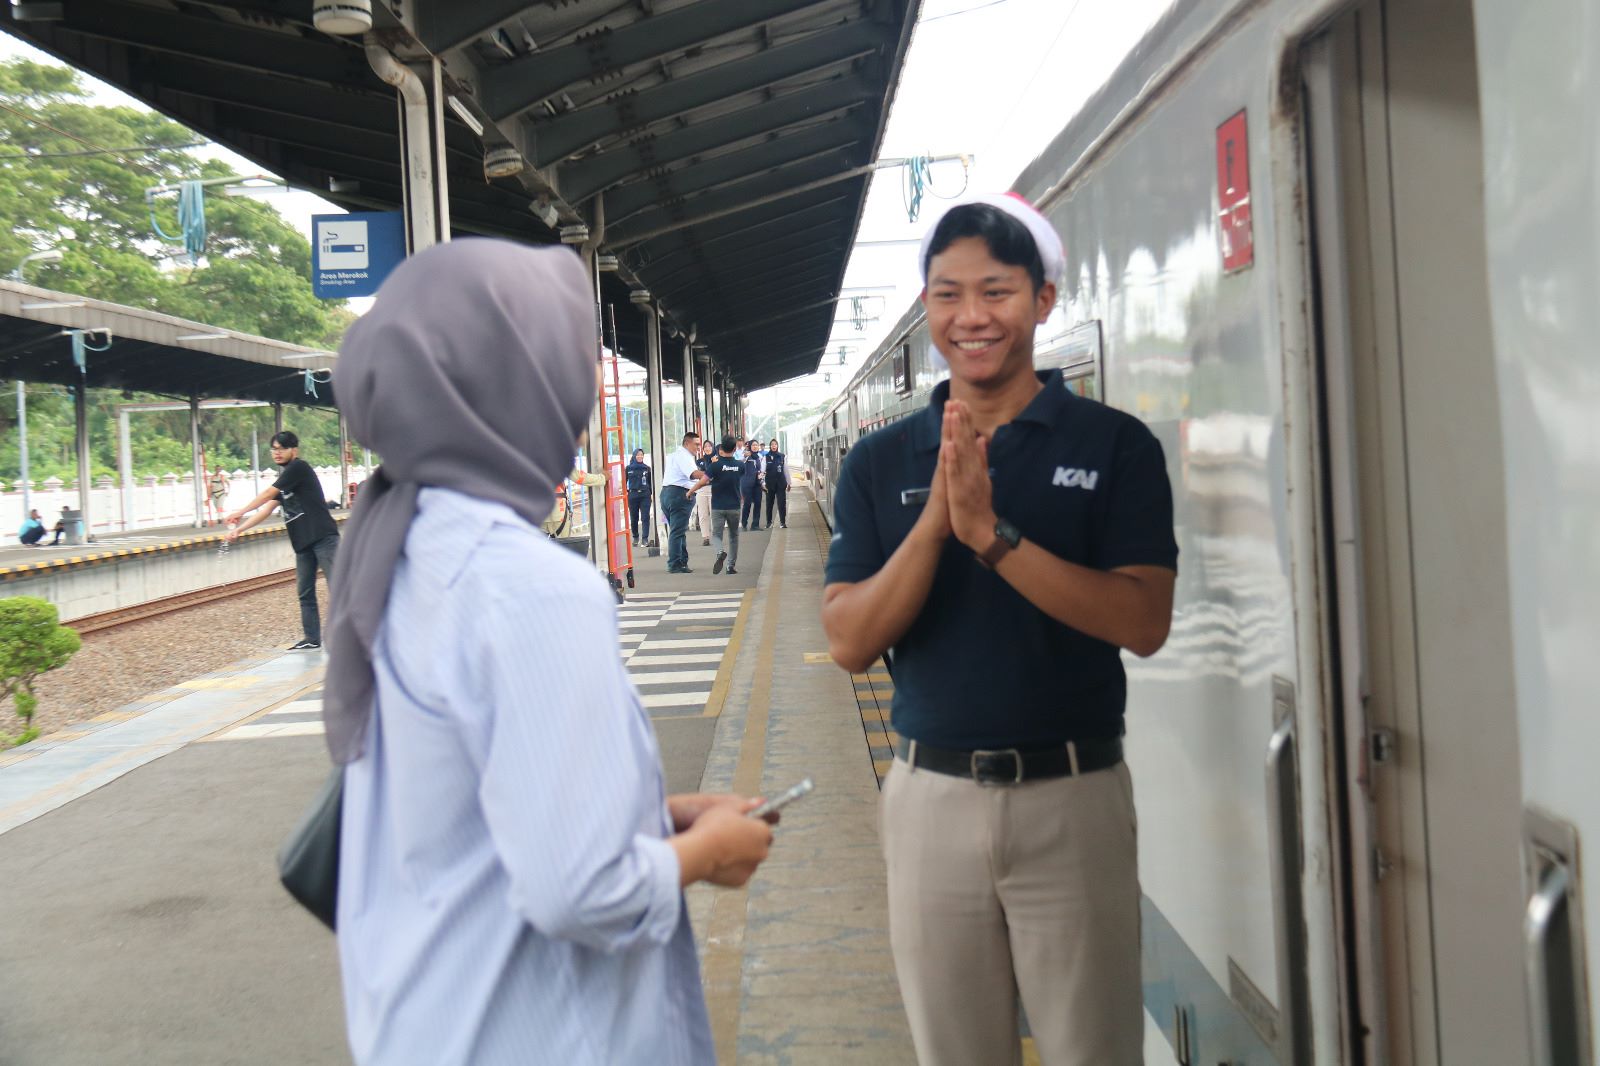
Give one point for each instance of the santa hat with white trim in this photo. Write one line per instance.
(1051, 251)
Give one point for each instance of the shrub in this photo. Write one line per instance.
(32, 642)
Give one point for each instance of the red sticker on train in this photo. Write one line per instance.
(1233, 195)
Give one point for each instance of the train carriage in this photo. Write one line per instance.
(1368, 354)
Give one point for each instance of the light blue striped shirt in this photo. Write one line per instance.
(506, 892)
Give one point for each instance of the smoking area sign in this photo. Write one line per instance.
(352, 254)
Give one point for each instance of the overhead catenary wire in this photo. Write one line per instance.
(138, 148)
(963, 11)
(99, 149)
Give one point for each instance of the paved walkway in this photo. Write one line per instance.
(137, 852)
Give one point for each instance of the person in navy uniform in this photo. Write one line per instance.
(750, 487)
(776, 477)
(1015, 525)
(726, 474)
(639, 483)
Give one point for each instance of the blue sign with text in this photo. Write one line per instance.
(352, 254)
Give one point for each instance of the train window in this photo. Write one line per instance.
(1077, 353)
(902, 370)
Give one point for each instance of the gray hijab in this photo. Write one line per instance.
(474, 371)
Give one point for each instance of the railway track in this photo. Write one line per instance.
(138, 612)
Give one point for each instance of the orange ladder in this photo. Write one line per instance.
(619, 541)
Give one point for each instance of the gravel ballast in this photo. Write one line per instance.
(119, 665)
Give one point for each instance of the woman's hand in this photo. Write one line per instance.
(687, 807)
(722, 844)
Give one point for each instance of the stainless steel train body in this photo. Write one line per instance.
(1345, 260)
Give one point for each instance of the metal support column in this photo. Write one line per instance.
(344, 462)
(199, 471)
(125, 467)
(691, 422)
(22, 448)
(711, 431)
(658, 422)
(277, 419)
(80, 410)
(594, 460)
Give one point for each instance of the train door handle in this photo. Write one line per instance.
(1554, 945)
(1285, 848)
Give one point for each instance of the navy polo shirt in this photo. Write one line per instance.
(724, 472)
(981, 667)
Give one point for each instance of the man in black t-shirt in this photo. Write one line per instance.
(724, 471)
(1006, 544)
(311, 529)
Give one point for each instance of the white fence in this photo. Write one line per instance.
(152, 501)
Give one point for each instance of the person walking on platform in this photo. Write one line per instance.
(1013, 524)
(639, 483)
(750, 487)
(776, 479)
(702, 500)
(725, 472)
(511, 871)
(678, 484)
(312, 533)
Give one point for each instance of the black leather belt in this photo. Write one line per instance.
(1009, 766)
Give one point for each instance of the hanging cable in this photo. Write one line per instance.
(312, 381)
(914, 176)
(191, 219)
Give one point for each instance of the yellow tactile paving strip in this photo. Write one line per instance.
(112, 555)
(874, 697)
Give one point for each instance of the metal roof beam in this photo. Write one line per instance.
(582, 178)
(784, 214)
(446, 24)
(829, 138)
(797, 243)
(300, 101)
(515, 86)
(801, 286)
(782, 269)
(733, 199)
(561, 136)
(238, 45)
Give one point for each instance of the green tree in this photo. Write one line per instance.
(73, 175)
(32, 642)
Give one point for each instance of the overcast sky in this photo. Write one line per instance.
(991, 79)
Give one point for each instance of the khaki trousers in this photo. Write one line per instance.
(996, 891)
(702, 510)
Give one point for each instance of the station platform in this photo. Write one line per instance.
(137, 850)
(16, 558)
(127, 569)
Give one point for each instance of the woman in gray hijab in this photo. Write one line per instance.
(511, 871)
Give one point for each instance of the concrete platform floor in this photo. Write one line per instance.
(146, 924)
(13, 553)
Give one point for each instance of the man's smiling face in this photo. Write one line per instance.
(982, 312)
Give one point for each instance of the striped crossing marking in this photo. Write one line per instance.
(676, 675)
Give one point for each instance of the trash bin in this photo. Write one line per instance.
(577, 544)
(74, 524)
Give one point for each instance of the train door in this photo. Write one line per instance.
(1415, 540)
(1540, 72)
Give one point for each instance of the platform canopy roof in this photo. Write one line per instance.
(730, 140)
(149, 351)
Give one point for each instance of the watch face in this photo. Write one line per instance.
(1008, 532)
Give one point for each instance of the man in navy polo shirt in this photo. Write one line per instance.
(724, 471)
(1002, 547)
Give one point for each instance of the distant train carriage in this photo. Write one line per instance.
(1275, 216)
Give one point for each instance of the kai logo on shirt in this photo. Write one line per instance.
(1071, 477)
